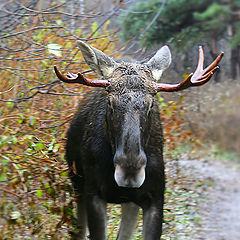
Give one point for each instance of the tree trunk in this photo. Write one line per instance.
(234, 64)
(214, 54)
(235, 53)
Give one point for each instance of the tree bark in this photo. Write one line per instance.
(234, 64)
(235, 53)
(214, 54)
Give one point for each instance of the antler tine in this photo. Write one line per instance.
(79, 78)
(200, 60)
(71, 75)
(204, 79)
(199, 77)
(215, 62)
(69, 79)
(201, 73)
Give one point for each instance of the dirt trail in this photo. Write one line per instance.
(220, 209)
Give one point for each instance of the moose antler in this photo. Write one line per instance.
(199, 77)
(79, 78)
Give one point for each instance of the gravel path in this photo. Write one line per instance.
(220, 209)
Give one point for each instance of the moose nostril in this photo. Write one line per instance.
(131, 160)
(142, 158)
(119, 176)
(119, 158)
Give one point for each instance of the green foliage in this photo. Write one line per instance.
(182, 23)
(236, 38)
(176, 16)
(214, 20)
(138, 18)
(212, 11)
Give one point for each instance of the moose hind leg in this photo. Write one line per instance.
(128, 222)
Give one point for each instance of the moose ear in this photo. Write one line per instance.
(97, 60)
(159, 62)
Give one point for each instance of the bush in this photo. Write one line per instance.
(37, 197)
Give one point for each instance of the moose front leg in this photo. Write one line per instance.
(96, 214)
(82, 218)
(128, 222)
(152, 222)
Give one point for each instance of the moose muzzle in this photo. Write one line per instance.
(128, 177)
(130, 169)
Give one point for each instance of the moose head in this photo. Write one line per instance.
(130, 99)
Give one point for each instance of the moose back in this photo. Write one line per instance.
(114, 145)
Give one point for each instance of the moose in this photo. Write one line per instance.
(114, 145)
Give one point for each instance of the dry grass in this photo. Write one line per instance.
(212, 112)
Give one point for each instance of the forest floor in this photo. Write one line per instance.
(202, 200)
(207, 199)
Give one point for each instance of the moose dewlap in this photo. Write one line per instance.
(114, 145)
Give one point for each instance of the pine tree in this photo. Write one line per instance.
(184, 23)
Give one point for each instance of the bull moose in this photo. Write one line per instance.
(114, 145)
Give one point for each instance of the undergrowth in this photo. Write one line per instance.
(37, 200)
(212, 114)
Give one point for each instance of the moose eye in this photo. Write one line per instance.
(150, 106)
(110, 105)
